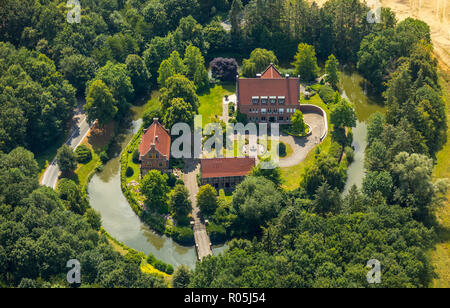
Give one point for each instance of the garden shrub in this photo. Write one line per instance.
(217, 233)
(282, 149)
(183, 235)
(160, 265)
(163, 267)
(335, 150)
(83, 154)
(349, 154)
(183, 220)
(136, 156)
(103, 156)
(326, 93)
(171, 180)
(151, 259)
(129, 172)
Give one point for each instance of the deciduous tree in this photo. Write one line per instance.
(207, 199)
(306, 62)
(155, 189)
(100, 104)
(66, 158)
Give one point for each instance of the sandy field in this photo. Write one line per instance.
(436, 13)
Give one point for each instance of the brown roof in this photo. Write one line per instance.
(272, 84)
(157, 136)
(271, 72)
(225, 167)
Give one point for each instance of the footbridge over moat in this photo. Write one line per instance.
(202, 241)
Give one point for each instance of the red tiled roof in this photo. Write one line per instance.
(225, 167)
(271, 72)
(162, 143)
(271, 83)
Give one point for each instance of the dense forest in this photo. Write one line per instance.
(310, 237)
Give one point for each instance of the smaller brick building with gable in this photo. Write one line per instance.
(154, 150)
(225, 173)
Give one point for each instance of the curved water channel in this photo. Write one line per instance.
(353, 88)
(124, 225)
(119, 220)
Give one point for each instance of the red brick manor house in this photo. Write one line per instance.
(268, 98)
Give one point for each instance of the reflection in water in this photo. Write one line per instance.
(123, 224)
(354, 89)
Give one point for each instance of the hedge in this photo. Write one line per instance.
(217, 233)
(326, 93)
(83, 154)
(160, 265)
(182, 235)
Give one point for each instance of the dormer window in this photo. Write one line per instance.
(273, 100)
(281, 100)
(255, 100)
(264, 99)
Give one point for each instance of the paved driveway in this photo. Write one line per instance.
(303, 145)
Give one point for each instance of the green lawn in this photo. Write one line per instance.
(130, 163)
(292, 175)
(84, 171)
(211, 102)
(441, 255)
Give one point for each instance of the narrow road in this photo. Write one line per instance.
(202, 241)
(79, 130)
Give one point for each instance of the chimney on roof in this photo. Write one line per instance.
(287, 76)
(155, 120)
(258, 75)
(156, 138)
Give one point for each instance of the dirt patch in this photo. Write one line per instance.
(435, 13)
(99, 138)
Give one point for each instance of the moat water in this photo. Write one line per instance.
(120, 221)
(354, 88)
(123, 224)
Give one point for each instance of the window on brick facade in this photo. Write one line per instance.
(255, 100)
